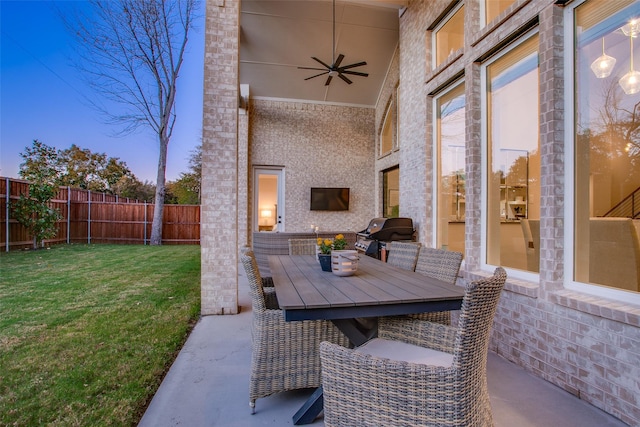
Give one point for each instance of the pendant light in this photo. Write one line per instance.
(632, 29)
(603, 66)
(630, 82)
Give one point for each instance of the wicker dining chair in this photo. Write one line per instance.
(403, 255)
(285, 355)
(302, 246)
(267, 282)
(416, 372)
(439, 264)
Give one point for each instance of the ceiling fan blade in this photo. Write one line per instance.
(356, 73)
(311, 68)
(344, 78)
(359, 64)
(317, 75)
(336, 64)
(328, 80)
(325, 65)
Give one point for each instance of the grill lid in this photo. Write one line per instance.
(389, 229)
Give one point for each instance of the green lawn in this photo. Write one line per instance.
(88, 331)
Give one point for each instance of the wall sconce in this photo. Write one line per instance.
(603, 66)
(630, 82)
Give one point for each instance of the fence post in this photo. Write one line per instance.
(8, 197)
(144, 242)
(89, 217)
(68, 214)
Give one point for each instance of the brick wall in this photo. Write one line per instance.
(220, 165)
(586, 345)
(319, 145)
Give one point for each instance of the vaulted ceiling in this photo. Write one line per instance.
(277, 37)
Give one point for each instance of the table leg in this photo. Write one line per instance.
(359, 331)
(311, 408)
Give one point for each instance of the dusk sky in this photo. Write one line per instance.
(41, 96)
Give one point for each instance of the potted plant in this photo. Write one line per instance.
(344, 262)
(324, 254)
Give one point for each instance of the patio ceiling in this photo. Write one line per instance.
(277, 37)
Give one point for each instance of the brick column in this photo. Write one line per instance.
(219, 218)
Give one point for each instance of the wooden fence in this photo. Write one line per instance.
(90, 217)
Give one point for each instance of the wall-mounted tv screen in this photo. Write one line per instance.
(329, 199)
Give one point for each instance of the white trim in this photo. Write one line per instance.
(386, 75)
(483, 166)
(279, 172)
(436, 164)
(569, 174)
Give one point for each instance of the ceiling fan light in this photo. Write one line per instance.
(603, 66)
(630, 82)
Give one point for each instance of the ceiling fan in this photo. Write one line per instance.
(335, 69)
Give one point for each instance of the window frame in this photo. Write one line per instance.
(437, 151)
(434, 33)
(570, 97)
(389, 118)
(483, 13)
(484, 156)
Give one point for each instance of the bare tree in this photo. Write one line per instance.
(130, 52)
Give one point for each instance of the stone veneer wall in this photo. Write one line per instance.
(318, 145)
(586, 345)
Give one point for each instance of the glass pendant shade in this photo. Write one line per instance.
(632, 29)
(630, 82)
(603, 66)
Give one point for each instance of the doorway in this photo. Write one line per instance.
(268, 200)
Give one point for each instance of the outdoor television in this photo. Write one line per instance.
(329, 199)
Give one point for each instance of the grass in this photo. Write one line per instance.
(88, 331)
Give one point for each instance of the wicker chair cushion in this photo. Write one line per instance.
(402, 351)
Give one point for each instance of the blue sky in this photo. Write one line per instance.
(41, 96)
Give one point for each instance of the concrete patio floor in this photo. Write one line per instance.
(209, 381)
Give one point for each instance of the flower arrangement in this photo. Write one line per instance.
(327, 245)
(339, 243)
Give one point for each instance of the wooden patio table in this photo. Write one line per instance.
(305, 292)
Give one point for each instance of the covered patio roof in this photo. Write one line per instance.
(277, 37)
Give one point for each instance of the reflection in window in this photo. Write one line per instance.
(513, 187)
(391, 193)
(451, 191)
(607, 144)
(493, 8)
(449, 37)
(386, 135)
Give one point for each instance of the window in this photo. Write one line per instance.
(450, 178)
(493, 8)
(513, 162)
(607, 144)
(386, 135)
(448, 37)
(391, 193)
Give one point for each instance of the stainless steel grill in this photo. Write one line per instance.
(372, 240)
